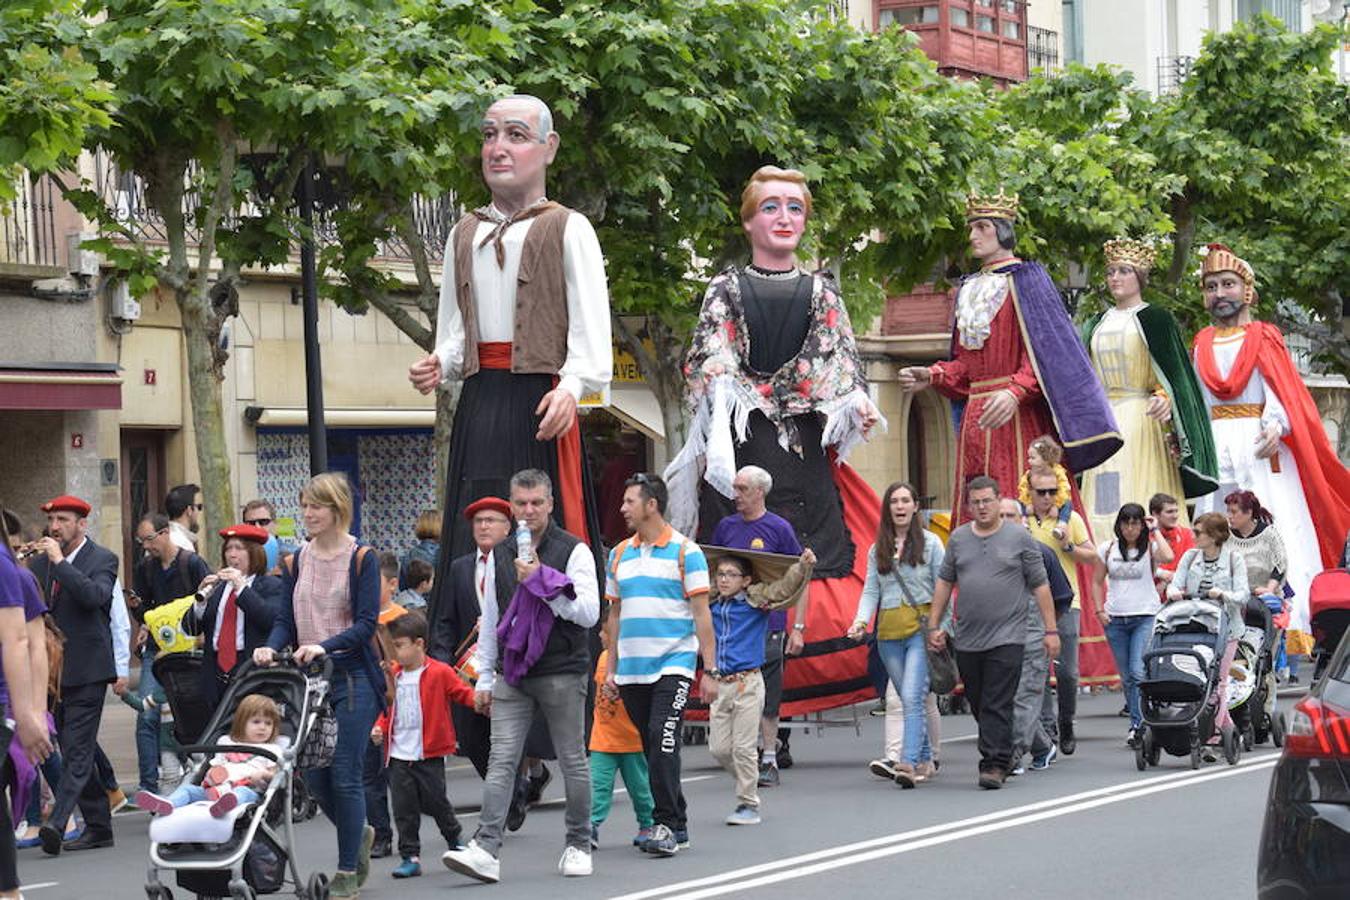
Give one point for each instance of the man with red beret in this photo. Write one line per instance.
(77, 577)
(454, 621)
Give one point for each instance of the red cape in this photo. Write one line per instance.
(1326, 481)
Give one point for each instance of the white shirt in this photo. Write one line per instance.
(590, 357)
(1129, 583)
(182, 537)
(484, 574)
(119, 623)
(406, 741)
(584, 610)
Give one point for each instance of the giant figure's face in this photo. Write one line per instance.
(515, 153)
(983, 239)
(779, 219)
(1225, 295)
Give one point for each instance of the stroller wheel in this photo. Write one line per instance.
(1248, 737)
(1195, 753)
(1232, 746)
(242, 890)
(1140, 756)
(318, 887)
(1277, 729)
(158, 892)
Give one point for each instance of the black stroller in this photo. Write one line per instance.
(1181, 673)
(256, 855)
(1251, 682)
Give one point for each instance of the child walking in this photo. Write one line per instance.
(743, 596)
(418, 735)
(235, 776)
(616, 746)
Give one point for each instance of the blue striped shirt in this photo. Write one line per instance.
(656, 621)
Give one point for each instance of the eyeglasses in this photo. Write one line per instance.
(1046, 492)
(260, 523)
(731, 575)
(199, 506)
(146, 540)
(984, 501)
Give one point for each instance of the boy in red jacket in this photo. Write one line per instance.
(420, 736)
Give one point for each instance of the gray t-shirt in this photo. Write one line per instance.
(994, 577)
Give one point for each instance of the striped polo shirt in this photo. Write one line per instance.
(656, 621)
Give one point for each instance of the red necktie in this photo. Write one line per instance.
(226, 652)
(482, 579)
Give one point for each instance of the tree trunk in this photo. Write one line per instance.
(208, 420)
(1183, 238)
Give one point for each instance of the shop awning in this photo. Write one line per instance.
(60, 386)
(298, 417)
(637, 406)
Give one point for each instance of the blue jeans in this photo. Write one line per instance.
(1128, 635)
(339, 788)
(192, 793)
(906, 664)
(147, 728)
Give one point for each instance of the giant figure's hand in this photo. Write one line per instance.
(1159, 408)
(915, 378)
(869, 414)
(998, 411)
(1269, 442)
(559, 409)
(425, 374)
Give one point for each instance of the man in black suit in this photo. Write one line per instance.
(457, 609)
(232, 634)
(77, 579)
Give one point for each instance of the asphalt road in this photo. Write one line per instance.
(1092, 826)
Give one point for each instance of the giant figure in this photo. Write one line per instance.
(1018, 371)
(1267, 431)
(524, 322)
(1140, 356)
(774, 380)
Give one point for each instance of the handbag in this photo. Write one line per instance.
(942, 674)
(321, 742)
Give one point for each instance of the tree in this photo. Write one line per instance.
(50, 96)
(665, 109)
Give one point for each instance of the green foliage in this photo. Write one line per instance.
(49, 95)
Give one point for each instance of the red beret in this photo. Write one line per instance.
(490, 504)
(67, 503)
(246, 532)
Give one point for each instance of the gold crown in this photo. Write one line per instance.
(1138, 255)
(991, 206)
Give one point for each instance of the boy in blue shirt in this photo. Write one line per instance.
(747, 587)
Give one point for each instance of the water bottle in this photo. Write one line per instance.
(524, 545)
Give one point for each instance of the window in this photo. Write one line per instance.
(1010, 6)
(908, 15)
(960, 17)
(1012, 30)
(984, 23)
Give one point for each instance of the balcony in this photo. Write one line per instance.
(1172, 71)
(1042, 49)
(966, 38)
(32, 241)
(124, 194)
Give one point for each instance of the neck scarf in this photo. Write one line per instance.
(502, 223)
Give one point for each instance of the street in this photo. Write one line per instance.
(1090, 826)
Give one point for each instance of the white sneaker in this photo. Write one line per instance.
(475, 862)
(574, 863)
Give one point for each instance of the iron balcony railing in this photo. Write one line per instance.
(1172, 71)
(1042, 49)
(124, 194)
(28, 232)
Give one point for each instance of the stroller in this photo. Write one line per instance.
(1328, 614)
(1251, 680)
(250, 851)
(1181, 674)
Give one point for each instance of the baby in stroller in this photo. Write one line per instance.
(234, 776)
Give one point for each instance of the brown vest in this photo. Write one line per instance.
(540, 344)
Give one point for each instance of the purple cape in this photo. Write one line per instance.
(1087, 427)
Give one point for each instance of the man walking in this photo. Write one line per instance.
(998, 569)
(537, 659)
(753, 527)
(1071, 545)
(77, 577)
(183, 505)
(659, 625)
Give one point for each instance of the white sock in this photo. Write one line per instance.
(770, 758)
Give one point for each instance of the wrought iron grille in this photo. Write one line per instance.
(1042, 49)
(28, 224)
(1172, 71)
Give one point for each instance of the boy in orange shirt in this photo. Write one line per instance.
(616, 746)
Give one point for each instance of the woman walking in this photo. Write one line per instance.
(330, 602)
(1126, 600)
(902, 570)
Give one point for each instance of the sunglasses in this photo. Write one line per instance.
(199, 506)
(260, 523)
(639, 478)
(1046, 492)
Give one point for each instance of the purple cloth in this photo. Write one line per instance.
(18, 588)
(524, 629)
(1087, 427)
(770, 533)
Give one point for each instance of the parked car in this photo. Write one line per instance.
(1305, 842)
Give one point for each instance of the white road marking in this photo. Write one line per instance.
(904, 842)
(40, 885)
